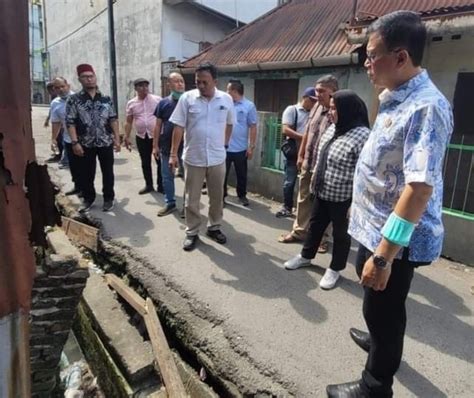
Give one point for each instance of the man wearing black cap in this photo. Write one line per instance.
(93, 126)
(140, 113)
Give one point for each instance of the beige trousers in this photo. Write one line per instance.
(193, 180)
(304, 205)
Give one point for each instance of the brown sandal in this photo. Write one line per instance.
(289, 238)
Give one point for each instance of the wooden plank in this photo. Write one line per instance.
(81, 233)
(127, 293)
(169, 371)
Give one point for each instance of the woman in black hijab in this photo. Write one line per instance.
(338, 151)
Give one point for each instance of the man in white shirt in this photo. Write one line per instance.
(141, 114)
(58, 123)
(205, 117)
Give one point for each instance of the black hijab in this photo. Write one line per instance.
(351, 111)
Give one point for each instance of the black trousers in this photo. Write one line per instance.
(322, 214)
(60, 143)
(239, 159)
(385, 315)
(88, 167)
(145, 149)
(74, 166)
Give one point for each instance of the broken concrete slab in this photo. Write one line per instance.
(133, 354)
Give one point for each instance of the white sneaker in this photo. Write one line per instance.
(329, 279)
(297, 262)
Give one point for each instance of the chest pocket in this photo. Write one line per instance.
(241, 117)
(194, 112)
(221, 114)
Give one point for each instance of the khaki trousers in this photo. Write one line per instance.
(193, 180)
(304, 205)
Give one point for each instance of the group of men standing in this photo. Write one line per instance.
(203, 131)
(397, 193)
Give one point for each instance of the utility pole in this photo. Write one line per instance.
(113, 60)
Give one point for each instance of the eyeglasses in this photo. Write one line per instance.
(372, 57)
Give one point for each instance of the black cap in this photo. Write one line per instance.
(140, 80)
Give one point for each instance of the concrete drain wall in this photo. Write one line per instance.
(56, 293)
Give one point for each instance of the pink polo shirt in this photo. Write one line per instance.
(142, 111)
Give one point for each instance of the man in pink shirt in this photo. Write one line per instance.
(140, 113)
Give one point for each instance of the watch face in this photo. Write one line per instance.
(380, 262)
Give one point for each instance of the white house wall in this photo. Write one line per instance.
(243, 10)
(80, 35)
(445, 59)
(184, 27)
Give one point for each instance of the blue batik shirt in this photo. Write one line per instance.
(407, 144)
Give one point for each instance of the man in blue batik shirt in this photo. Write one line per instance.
(397, 198)
(242, 140)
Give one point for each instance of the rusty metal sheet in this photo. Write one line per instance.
(369, 10)
(295, 31)
(305, 29)
(25, 188)
(17, 263)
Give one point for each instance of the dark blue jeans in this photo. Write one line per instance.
(291, 174)
(168, 179)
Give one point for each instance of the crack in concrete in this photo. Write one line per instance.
(195, 329)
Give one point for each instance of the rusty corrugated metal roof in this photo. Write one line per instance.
(296, 31)
(368, 10)
(306, 29)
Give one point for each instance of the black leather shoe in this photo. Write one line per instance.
(362, 339)
(346, 390)
(145, 190)
(244, 201)
(218, 236)
(73, 191)
(190, 243)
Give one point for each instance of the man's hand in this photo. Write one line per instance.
(78, 151)
(373, 277)
(173, 163)
(249, 153)
(156, 152)
(127, 143)
(299, 162)
(117, 145)
(54, 146)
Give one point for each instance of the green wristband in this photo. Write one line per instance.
(398, 230)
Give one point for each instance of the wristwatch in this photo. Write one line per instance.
(74, 143)
(380, 261)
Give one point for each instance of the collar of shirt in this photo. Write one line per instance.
(300, 107)
(84, 93)
(217, 94)
(403, 91)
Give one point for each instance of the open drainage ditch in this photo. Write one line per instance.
(109, 261)
(200, 338)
